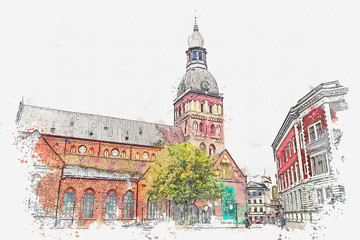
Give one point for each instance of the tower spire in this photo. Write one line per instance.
(196, 27)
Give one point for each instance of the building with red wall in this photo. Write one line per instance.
(88, 168)
(306, 153)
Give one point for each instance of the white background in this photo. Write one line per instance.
(126, 58)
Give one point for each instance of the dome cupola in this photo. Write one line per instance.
(197, 78)
(195, 39)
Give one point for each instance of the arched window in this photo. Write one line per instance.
(106, 153)
(212, 129)
(219, 110)
(111, 206)
(128, 205)
(203, 147)
(179, 111)
(153, 156)
(73, 149)
(68, 204)
(211, 149)
(210, 109)
(194, 55)
(91, 151)
(123, 154)
(218, 130)
(151, 209)
(88, 204)
(137, 156)
(185, 126)
(202, 107)
(200, 55)
(195, 126)
(202, 127)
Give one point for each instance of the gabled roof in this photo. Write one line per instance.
(95, 127)
(225, 151)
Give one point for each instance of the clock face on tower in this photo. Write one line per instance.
(205, 85)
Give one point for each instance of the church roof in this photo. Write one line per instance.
(95, 127)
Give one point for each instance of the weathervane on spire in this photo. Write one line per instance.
(196, 27)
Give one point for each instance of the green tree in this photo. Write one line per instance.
(184, 174)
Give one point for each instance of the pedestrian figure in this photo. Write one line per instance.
(282, 222)
(247, 221)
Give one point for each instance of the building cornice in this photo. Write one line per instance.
(318, 93)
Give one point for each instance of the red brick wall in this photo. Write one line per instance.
(100, 189)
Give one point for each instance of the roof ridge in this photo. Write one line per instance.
(54, 109)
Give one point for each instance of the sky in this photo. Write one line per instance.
(126, 58)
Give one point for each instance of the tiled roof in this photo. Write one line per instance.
(95, 127)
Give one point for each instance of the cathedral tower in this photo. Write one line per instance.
(198, 107)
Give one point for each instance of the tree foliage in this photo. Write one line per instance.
(184, 174)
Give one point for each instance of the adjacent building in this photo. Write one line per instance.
(88, 168)
(259, 200)
(307, 155)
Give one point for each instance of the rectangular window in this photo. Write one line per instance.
(293, 145)
(329, 193)
(312, 133)
(319, 166)
(301, 141)
(290, 152)
(286, 154)
(325, 164)
(313, 166)
(318, 130)
(320, 196)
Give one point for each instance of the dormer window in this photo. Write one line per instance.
(140, 131)
(194, 56)
(200, 55)
(106, 128)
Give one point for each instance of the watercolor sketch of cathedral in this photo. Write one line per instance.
(101, 173)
